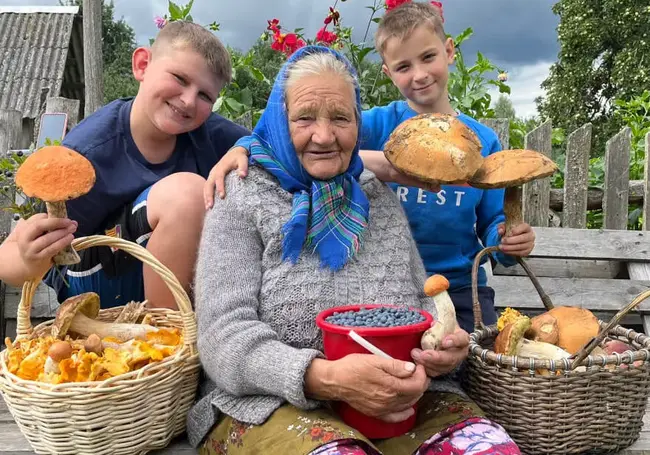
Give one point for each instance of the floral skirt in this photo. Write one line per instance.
(446, 424)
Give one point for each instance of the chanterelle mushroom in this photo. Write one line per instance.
(56, 174)
(435, 148)
(510, 169)
(436, 286)
(77, 314)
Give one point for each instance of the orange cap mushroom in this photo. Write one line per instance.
(510, 169)
(435, 148)
(56, 174)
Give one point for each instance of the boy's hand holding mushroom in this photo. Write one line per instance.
(520, 242)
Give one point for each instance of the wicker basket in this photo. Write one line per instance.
(133, 413)
(592, 409)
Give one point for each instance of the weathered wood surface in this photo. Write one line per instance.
(501, 126)
(639, 271)
(64, 105)
(536, 194)
(592, 293)
(595, 244)
(10, 132)
(92, 52)
(617, 175)
(561, 268)
(576, 175)
(12, 442)
(595, 196)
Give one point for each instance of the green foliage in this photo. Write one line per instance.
(604, 49)
(503, 108)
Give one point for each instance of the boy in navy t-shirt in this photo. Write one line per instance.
(151, 156)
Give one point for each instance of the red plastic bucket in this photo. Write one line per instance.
(394, 341)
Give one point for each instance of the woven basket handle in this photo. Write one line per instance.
(24, 327)
(591, 345)
(476, 306)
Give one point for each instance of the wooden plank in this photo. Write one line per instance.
(92, 53)
(646, 185)
(501, 126)
(536, 194)
(591, 293)
(576, 178)
(67, 106)
(594, 244)
(10, 133)
(595, 196)
(617, 177)
(564, 268)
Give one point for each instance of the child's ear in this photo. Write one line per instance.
(385, 69)
(450, 50)
(139, 61)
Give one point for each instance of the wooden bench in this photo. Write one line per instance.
(580, 267)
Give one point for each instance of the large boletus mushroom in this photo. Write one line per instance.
(435, 148)
(77, 315)
(510, 169)
(56, 174)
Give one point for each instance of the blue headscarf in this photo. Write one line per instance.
(329, 216)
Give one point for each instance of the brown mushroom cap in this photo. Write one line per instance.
(576, 327)
(508, 339)
(435, 148)
(87, 304)
(512, 168)
(54, 173)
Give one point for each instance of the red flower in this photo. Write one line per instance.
(390, 4)
(274, 25)
(439, 6)
(325, 37)
(332, 16)
(286, 42)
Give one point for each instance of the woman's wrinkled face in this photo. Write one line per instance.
(322, 123)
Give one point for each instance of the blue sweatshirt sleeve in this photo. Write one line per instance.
(374, 124)
(490, 214)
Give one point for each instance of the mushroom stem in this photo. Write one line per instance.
(86, 326)
(68, 255)
(512, 208)
(436, 286)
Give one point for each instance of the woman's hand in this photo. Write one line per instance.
(236, 158)
(520, 242)
(438, 363)
(378, 387)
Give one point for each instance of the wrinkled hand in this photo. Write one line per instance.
(438, 363)
(379, 165)
(382, 388)
(236, 158)
(400, 178)
(520, 242)
(39, 238)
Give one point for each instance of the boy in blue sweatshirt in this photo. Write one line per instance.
(450, 224)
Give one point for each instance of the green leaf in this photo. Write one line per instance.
(175, 11)
(363, 52)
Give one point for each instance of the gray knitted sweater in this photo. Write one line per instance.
(256, 313)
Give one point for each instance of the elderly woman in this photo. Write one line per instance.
(306, 231)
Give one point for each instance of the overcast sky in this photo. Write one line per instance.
(518, 35)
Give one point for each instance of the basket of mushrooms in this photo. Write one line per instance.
(562, 381)
(100, 381)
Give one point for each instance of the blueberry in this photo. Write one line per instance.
(16, 217)
(9, 174)
(19, 153)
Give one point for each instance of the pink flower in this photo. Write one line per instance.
(333, 15)
(274, 25)
(288, 43)
(325, 37)
(390, 4)
(439, 6)
(160, 22)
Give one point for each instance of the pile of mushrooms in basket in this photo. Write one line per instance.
(77, 347)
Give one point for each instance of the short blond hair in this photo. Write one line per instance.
(400, 22)
(179, 34)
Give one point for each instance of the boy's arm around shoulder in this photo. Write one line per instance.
(240, 353)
